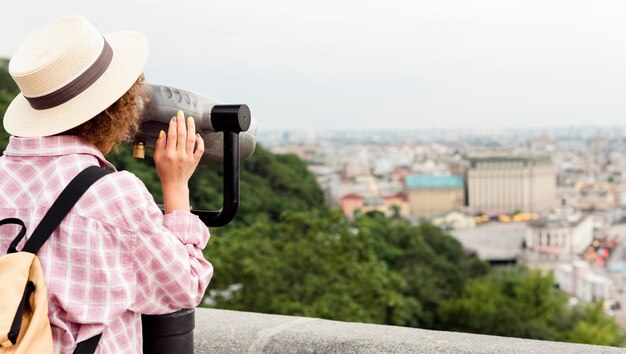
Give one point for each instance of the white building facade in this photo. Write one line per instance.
(508, 184)
(579, 281)
(560, 239)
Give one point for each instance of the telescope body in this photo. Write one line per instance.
(210, 115)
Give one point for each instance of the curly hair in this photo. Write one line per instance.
(116, 124)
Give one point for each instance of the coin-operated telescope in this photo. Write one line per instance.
(228, 131)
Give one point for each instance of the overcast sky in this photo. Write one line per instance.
(375, 64)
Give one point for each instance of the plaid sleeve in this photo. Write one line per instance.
(171, 272)
(188, 227)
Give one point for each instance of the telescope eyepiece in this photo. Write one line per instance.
(230, 117)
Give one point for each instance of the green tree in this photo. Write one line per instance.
(8, 90)
(316, 263)
(519, 303)
(588, 324)
(306, 263)
(432, 263)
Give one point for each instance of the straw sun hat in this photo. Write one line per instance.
(68, 73)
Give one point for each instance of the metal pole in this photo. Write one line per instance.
(230, 205)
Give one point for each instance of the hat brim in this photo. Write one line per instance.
(130, 52)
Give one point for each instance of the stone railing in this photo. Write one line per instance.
(220, 331)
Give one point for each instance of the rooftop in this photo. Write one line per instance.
(433, 182)
(560, 219)
(521, 160)
(493, 241)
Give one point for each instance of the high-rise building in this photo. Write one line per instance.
(504, 184)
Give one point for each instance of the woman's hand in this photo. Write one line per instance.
(176, 160)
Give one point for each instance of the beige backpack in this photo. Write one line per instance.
(24, 324)
(29, 327)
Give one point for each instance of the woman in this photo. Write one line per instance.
(115, 256)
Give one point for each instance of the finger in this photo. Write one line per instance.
(170, 144)
(191, 135)
(181, 139)
(159, 147)
(199, 149)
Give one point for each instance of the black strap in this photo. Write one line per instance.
(20, 235)
(62, 206)
(14, 332)
(74, 191)
(88, 346)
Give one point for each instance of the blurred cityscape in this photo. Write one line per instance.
(553, 199)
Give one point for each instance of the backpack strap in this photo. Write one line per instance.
(88, 346)
(59, 209)
(57, 212)
(62, 206)
(20, 235)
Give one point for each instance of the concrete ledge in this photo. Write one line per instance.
(221, 331)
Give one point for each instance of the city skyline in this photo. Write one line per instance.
(555, 202)
(371, 65)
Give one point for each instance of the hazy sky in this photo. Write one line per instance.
(375, 64)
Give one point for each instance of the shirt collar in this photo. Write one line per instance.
(58, 145)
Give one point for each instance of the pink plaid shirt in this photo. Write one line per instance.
(114, 257)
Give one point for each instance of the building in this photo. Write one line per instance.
(434, 195)
(620, 194)
(559, 237)
(399, 201)
(304, 152)
(351, 202)
(354, 202)
(595, 196)
(579, 281)
(504, 184)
